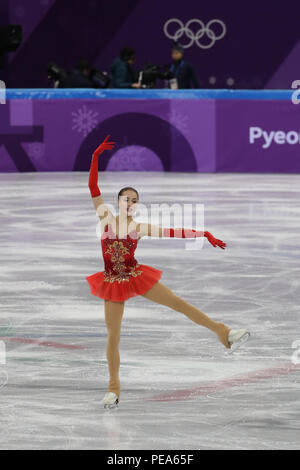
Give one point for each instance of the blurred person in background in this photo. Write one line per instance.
(122, 73)
(80, 76)
(183, 72)
(84, 76)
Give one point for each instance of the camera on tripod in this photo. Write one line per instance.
(151, 73)
(57, 74)
(10, 40)
(100, 78)
(63, 79)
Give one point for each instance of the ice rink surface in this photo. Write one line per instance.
(180, 387)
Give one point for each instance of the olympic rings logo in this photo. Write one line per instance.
(195, 37)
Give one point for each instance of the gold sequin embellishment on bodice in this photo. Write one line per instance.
(120, 264)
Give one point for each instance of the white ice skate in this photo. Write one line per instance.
(110, 400)
(237, 337)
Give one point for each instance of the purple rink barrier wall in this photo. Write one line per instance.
(198, 131)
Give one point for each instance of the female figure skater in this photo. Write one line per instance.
(124, 277)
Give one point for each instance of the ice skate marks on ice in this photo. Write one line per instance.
(110, 400)
(236, 338)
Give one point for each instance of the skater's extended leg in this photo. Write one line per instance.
(163, 295)
(113, 319)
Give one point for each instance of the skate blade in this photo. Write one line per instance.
(239, 343)
(112, 406)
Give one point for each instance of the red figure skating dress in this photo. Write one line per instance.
(123, 277)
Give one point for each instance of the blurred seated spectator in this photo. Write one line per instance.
(80, 77)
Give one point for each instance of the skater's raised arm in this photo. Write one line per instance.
(101, 209)
(155, 231)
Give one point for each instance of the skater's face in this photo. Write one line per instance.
(128, 202)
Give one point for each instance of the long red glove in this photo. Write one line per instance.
(191, 233)
(214, 241)
(93, 176)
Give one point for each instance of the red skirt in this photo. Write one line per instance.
(123, 290)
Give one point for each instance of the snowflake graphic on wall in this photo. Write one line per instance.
(35, 150)
(84, 120)
(129, 158)
(178, 120)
